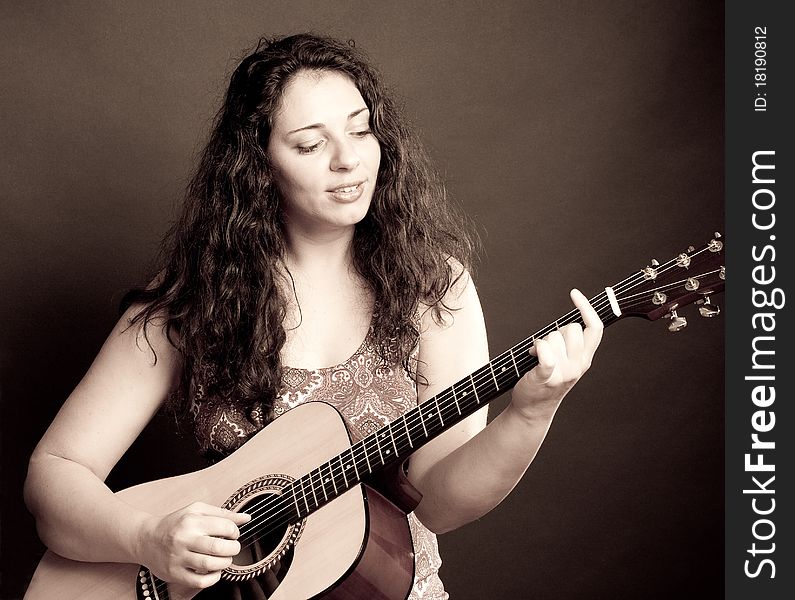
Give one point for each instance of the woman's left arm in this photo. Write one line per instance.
(468, 470)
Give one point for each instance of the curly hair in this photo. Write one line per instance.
(217, 292)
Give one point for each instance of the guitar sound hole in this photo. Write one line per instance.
(256, 546)
(266, 547)
(258, 543)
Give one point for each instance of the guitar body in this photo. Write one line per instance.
(356, 546)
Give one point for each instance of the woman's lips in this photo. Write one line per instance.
(348, 192)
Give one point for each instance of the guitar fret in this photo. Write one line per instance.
(494, 377)
(303, 492)
(295, 500)
(524, 361)
(392, 435)
(513, 360)
(449, 407)
(457, 405)
(439, 412)
(530, 356)
(320, 480)
(386, 446)
(474, 390)
(463, 392)
(366, 455)
(323, 481)
(436, 400)
(506, 372)
(503, 371)
(312, 485)
(427, 407)
(408, 435)
(317, 482)
(342, 469)
(331, 476)
(419, 411)
(377, 443)
(353, 460)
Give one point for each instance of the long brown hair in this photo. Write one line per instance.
(217, 292)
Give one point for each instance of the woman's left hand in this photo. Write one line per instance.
(564, 356)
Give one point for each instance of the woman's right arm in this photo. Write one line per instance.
(77, 515)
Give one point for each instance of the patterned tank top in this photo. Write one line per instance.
(368, 395)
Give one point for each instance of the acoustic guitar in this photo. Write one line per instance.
(329, 516)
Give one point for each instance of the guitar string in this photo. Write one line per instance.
(368, 446)
(599, 305)
(316, 476)
(284, 499)
(268, 511)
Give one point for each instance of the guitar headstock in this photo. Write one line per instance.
(661, 289)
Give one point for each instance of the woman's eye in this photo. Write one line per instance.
(310, 149)
(362, 133)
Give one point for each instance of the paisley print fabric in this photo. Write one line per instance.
(367, 393)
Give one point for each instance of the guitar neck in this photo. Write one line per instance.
(649, 293)
(401, 437)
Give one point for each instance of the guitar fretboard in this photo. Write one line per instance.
(400, 438)
(649, 292)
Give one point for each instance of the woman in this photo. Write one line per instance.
(313, 222)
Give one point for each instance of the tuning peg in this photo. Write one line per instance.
(655, 262)
(707, 309)
(677, 323)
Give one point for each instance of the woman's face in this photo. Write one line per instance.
(324, 156)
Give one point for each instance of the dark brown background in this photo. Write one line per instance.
(583, 138)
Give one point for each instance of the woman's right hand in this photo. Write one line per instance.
(191, 546)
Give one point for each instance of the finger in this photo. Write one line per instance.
(238, 517)
(203, 564)
(572, 336)
(200, 580)
(593, 324)
(216, 511)
(221, 527)
(556, 343)
(215, 546)
(547, 360)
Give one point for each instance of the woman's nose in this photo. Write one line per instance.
(344, 157)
